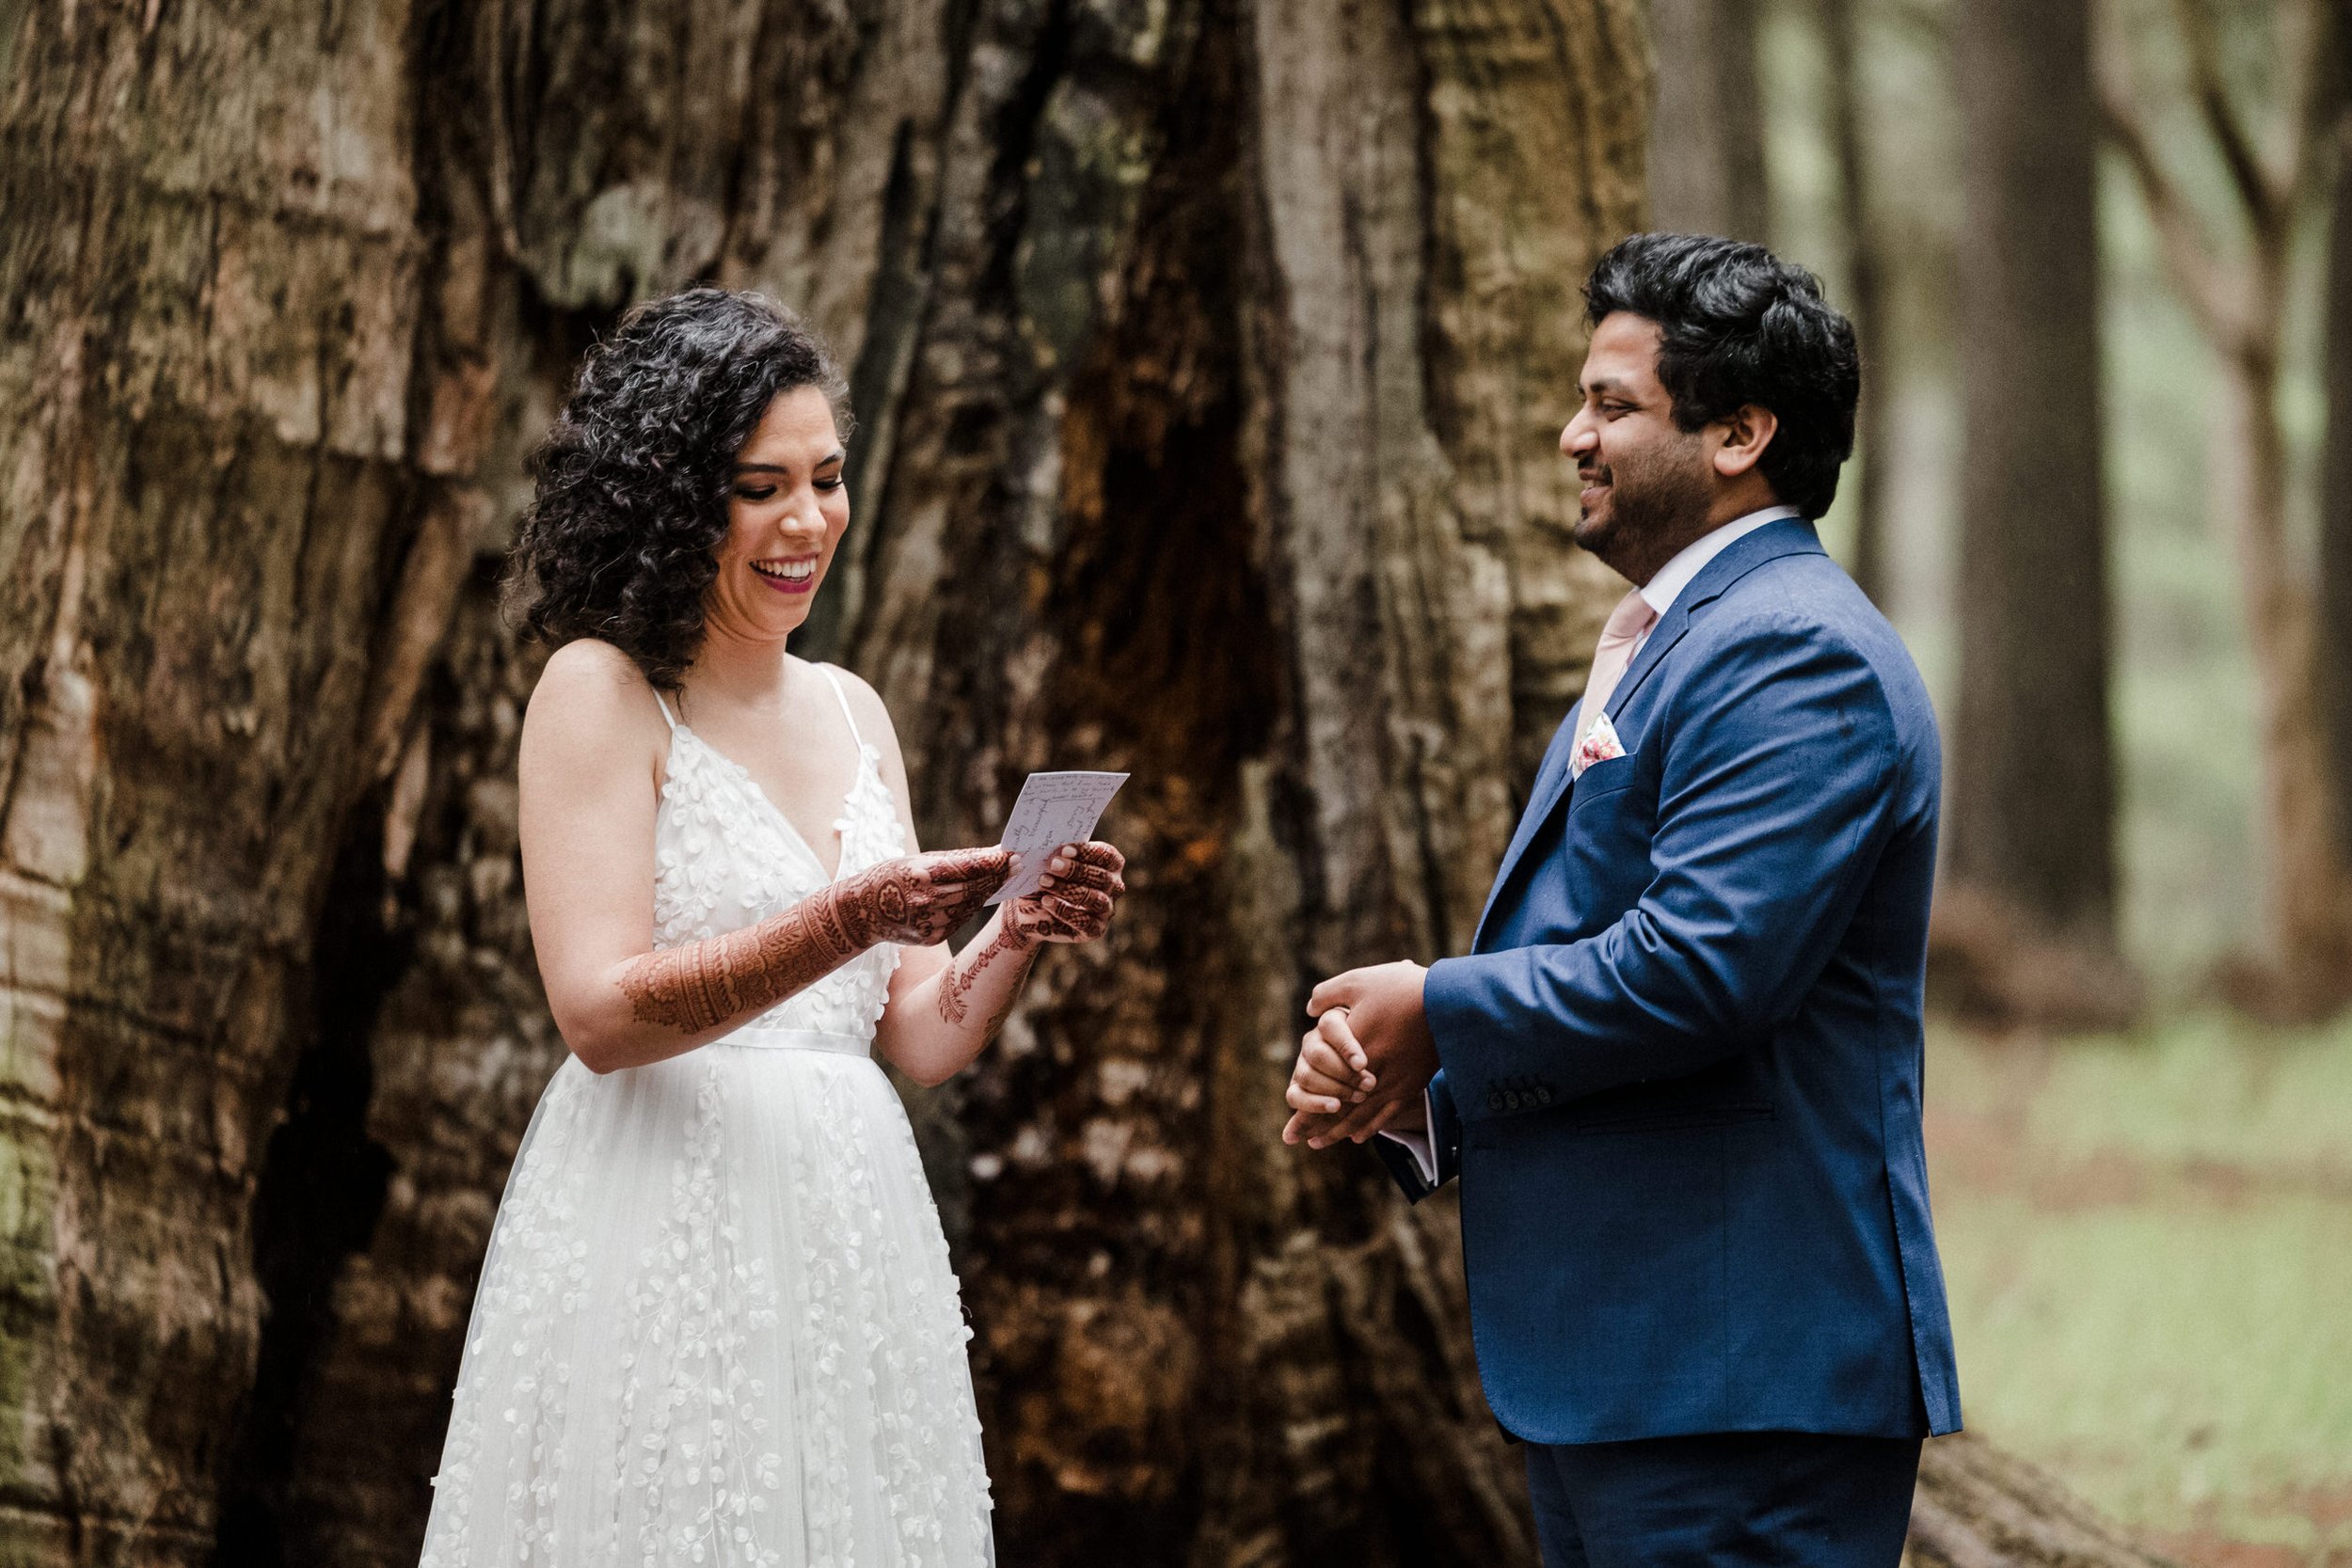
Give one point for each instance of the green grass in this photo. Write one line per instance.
(2148, 1244)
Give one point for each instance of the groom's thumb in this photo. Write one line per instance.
(1331, 993)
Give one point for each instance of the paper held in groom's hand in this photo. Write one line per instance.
(1054, 809)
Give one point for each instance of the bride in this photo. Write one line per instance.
(717, 1322)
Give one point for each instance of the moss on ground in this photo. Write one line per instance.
(2149, 1246)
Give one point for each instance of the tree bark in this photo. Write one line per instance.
(2031, 815)
(213, 276)
(1979, 1508)
(1707, 164)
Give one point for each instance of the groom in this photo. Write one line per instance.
(1678, 1074)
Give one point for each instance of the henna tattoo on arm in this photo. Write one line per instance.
(703, 984)
(955, 987)
(916, 900)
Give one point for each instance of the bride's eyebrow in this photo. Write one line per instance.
(834, 456)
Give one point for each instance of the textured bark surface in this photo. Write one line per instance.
(1979, 1508)
(2030, 819)
(211, 265)
(1706, 137)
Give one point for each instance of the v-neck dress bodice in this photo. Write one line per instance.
(725, 857)
(717, 1324)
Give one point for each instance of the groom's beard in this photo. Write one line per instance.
(1657, 502)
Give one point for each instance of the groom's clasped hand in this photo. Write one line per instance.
(1362, 1069)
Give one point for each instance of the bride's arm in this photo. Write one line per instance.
(587, 772)
(946, 1007)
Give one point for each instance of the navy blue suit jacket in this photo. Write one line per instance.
(1681, 1064)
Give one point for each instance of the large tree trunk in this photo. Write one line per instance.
(211, 272)
(1707, 167)
(1209, 359)
(2031, 871)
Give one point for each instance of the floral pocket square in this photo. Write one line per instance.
(1600, 744)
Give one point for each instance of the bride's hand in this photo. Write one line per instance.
(1075, 899)
(916, 900)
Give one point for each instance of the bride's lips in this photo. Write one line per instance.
(769, 575)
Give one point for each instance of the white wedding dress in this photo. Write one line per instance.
(717, 1323)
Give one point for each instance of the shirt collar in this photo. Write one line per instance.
(1662, 590)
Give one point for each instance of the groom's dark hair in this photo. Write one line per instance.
(1742, 326)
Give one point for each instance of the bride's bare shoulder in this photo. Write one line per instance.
(591, 700)
(866, 703)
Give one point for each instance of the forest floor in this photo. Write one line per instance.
(2148, 1244)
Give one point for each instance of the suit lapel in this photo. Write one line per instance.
(1790, 536)
(1552, 782)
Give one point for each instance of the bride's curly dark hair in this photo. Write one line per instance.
(630, 504)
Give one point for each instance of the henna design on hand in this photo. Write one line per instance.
(1075, 905)
(916, 900)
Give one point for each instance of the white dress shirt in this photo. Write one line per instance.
(1661, 593)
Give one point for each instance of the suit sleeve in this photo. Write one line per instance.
(1445, 1144)
(1776, 795)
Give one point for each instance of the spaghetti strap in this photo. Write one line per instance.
(843, 697)
(666, 711)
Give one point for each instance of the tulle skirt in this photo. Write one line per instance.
(717, 1325)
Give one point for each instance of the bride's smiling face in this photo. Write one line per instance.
(788, 507)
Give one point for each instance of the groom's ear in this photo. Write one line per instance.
(1746, 431)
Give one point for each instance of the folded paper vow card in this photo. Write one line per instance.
(1054, 809)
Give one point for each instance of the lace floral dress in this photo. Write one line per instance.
(717, 1323)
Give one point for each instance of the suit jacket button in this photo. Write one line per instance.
(1543, 1096)
(1494, 1101)
(1511, 1100)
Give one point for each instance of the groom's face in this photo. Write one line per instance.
(1645, 483)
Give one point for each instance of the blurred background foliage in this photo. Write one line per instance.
(2186, 735)
(2148, 1231)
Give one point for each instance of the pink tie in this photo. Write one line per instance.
(1627, 623)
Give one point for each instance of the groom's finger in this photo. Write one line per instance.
(1337, 992)
(1320, 1071)
(1319, 1053)
(1302, 1098)
(1338, 1030)
(1361, 1122)
(1303, 1126)
(1389, 1112)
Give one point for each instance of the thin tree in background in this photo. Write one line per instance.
(1865, 282)
(2335, 496)
(1707, 171)
(2028, 925)
(2238, 293)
